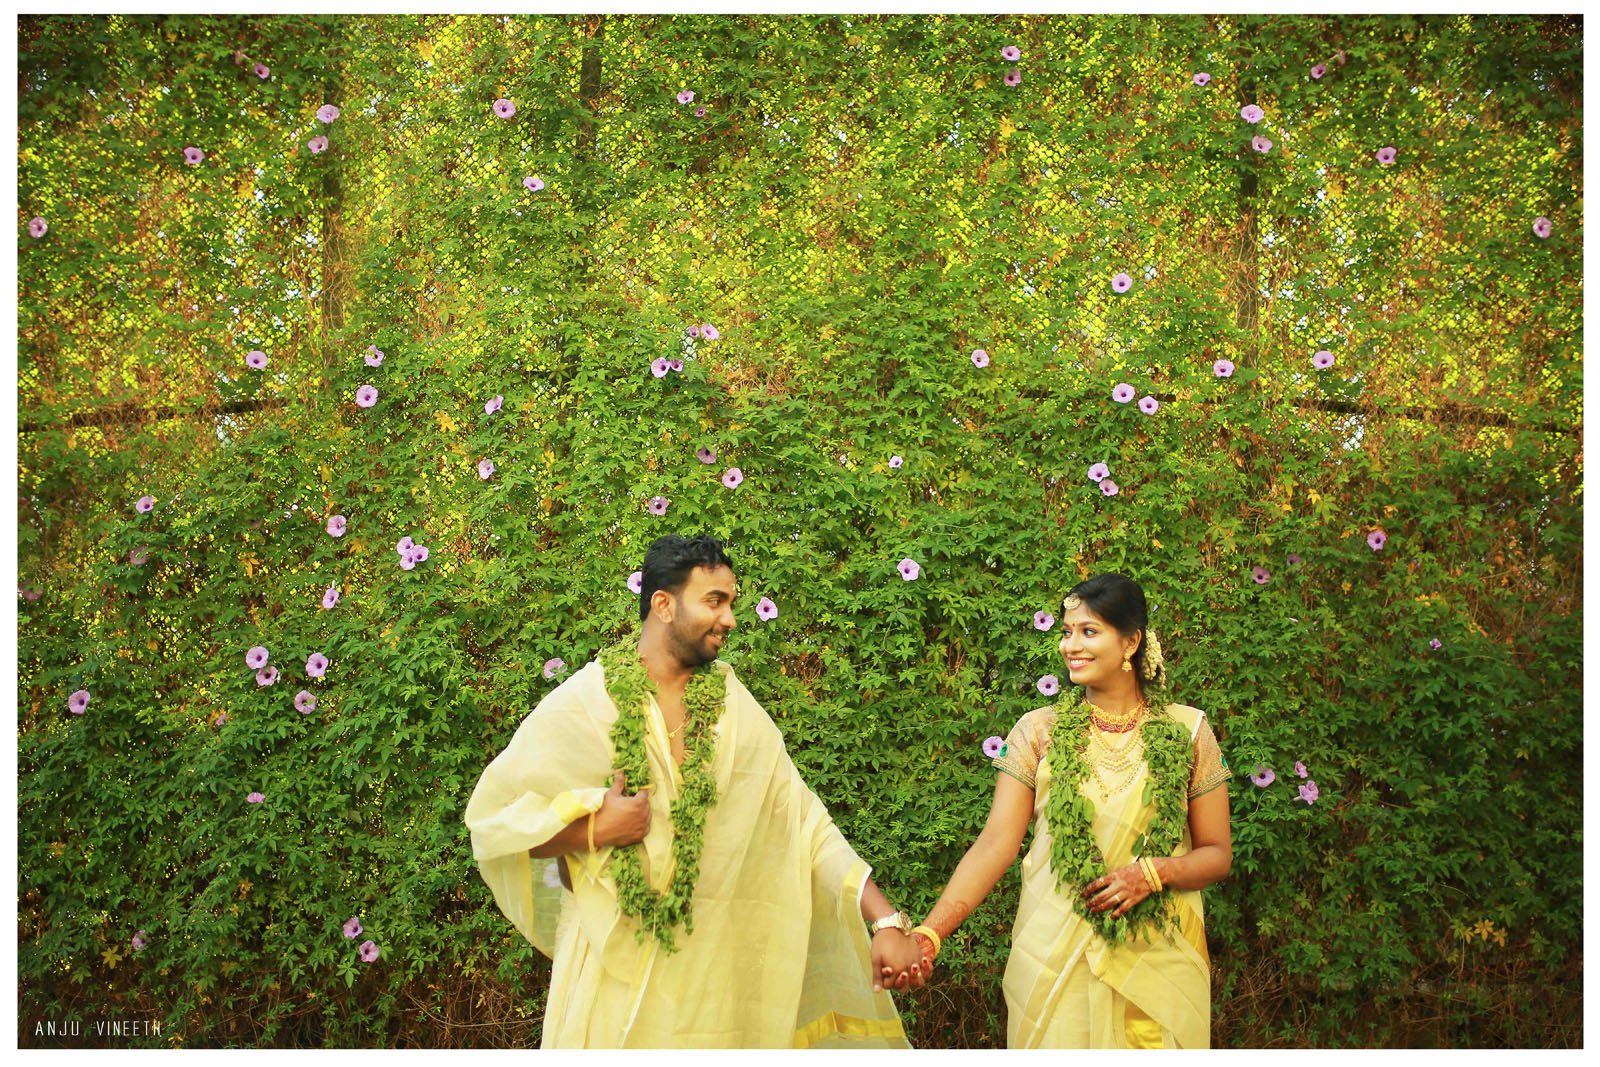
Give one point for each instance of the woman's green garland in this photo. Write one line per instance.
(629, 685)
(1074, 856)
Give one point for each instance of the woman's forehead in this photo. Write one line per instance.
(1080, 615)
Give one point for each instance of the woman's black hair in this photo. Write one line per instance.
(671, 559)
(1118, 600)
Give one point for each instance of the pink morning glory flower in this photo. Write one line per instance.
(709, 332)
(676, 366)
(706, 455)
(1376, 539)
(369, 951)
(532, 184)
(408, 560)
(553, 667)
(304, 702)
(1322, 360)
(352, 927)
(331, 597)
(1010, 53)
(1300, 768)
(1318, 70)
(686, 96)
(255, 798)
(504, 108)
(1251, 113)
(1122, 393)
(139, 941)
(636, 582)
(144, 505)
(1260, 144)
(256, 359)
(994, 747)
(193, 156)
(222, 718)
(1541, 227)
(895, 461)
(1049, 685)
(1098, 472)
(1149, 404)
(766, 610)
(1294, 559)
(1202, 78)
(1436, 644)
(732, 477)
(1013, 77)
(366, 396)
(29, 593)
(1261, 575)
(262, 71)
(1386, 155)
(1109, 487)
(1308, 793)
(492, 406)
(405, 544)
(980, 358)
(37, 227)
(327, 113)
(1121, 283)
(78, 702)
(316, 665)
(138, 556)
(267, 675)
(420, 552)
(1043, 620)
(700, 112)
(1263, 776)
(909, 570)
(336, 525)
(374, 356)
(317, 144)
(694, 331)
(658, 505)
(1222, 368)
(485, 468)
(256, 658)
(660, 367)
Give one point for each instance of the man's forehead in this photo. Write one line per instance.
(706, 580)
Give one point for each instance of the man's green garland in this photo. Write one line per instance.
(629, 685)
(1074, 856)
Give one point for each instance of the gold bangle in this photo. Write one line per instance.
(928, 932)
(1152, 874)
(591, 831)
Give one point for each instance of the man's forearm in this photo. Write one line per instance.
(574, 837)
(874, 905)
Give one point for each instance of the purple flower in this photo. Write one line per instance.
(1386, 155)
(709, 332)
(1251, 113)
(766, 610)
(1260, 144)
(1043, 620)
(1149, 404)
(1436, 644)
(504, 108)
(1294, 559)
(138, 556)
(909, 570)
(1120, 282)
(369, 949)
(316, 665)
(1222, 368)
(139, 941)
(304, 702)
(686, 96)
(1322, 360)
(327, 113)
(1339, 57)
(1541, 227)
(267, 676)
(1263, 776)
(374, 356)
(660, 367)
(1318, 70)
(256, 359)
(317, 144)
(78, 702)
(144, 505)
(366, 396)
(1376, 539)
(980, 358)
(222, 718)
(29, 593)
(1049, 685)
(700, 112)
(1202, 78)
(408, 560)
(405, 544)
(336, 525)
(532, 184)
(1109, 487)
(1010, 53)
(895, 461)
(706, 455)
(1300, 768)
(255, 798)
(331, 597)
(676, 366)
(262, 71)
(994, 747)
(1122, 393)
(732, 477)
(492, 406)
(1308, 793)
(352, 927)
(694, 331)
(256, 658)
(420, 552)
(37, 227)
(193, 156)
(1099, 472)
(553, 667)
(1013, 77)
(636, 582)
(658, 505)
(1261, 575)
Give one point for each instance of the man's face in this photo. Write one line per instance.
(702, 616)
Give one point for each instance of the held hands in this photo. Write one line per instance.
(622, 820)
(1120, 889)
(898, 961)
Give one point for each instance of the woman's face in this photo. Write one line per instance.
(1093, 648)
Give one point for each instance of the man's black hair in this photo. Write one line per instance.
(671, 559)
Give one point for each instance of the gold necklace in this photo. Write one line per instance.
(1114, 766)
(1119, 723)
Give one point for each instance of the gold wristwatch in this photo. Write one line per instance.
(894, 919)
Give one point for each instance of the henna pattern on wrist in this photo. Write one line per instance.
(948, 915)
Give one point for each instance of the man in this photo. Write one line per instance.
(743, 931)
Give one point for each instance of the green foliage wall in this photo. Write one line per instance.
(864, 203)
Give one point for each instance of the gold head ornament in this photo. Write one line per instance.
(1071, 603)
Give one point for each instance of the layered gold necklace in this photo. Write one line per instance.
(1115, 763)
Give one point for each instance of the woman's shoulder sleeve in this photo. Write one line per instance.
(1209, 768)
(1025, 746)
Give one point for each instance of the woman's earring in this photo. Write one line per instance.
(1127, 661)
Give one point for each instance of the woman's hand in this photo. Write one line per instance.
(896, 961)
(1120, 889)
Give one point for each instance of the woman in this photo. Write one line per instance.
(1128, 796)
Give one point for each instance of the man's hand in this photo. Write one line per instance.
(896, 961)
(622, 820)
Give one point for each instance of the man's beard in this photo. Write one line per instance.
(690, 652)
